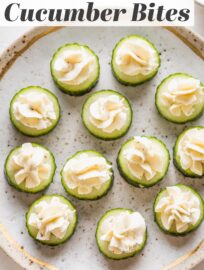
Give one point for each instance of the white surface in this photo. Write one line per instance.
(10, 34)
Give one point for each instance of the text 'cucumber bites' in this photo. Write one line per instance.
(75, 69)
(30, 167)
(121, 233)
(189, 152)
(51, 220)
(180, 98)
(87, 175)
(143, 161)
(107, 114)
(34, 111)
(134, 60)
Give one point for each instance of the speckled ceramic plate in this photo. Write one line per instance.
(32, 54)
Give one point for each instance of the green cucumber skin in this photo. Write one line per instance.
(160, 112)
(78, 92)
(88, 199)
(50, 244)
(102, 137)
(144, 81)
(42, 132)
(176, 234)
(176, 163)
(17, 186)
(137, 184)
(118, 259)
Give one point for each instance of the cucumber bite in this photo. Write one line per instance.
(180, 98)
(51, 220)
(178, 209)
(135, 60)
(87, 175)
(189, 152)
(30, 167)
(107, 114)
(34, 111)
(143, 161)
(121, 233)
(75, 69)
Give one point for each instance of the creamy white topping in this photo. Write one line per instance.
(144, 157)
(191, 151)
(31, 165)
(182, 95)
(136, 56)
(34, 109)
(75, 66)
(179, 208)
(51, 218)
(123, 232)
(108, 113)
(86, 173)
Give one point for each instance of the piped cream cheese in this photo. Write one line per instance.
(51, 218)
(34, 110)
(123, 232)
(136, 56)
(86, 173)
(182, 95)
(144, 158)
(74, 66)
(31, 165)
(108, 113)
(191, 151)
(179, 208)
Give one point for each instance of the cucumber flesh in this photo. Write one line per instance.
(10, 171)
(84, 86)
(98, 132)
(103, 245)
(164, 109)
(53, 241)
(139, 78)
(126, 173)
(29, 131)
(95, 193)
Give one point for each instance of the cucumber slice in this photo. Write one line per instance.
(95, 193)
(91, 71)
(190, 145)
(104, 245)
(172, 107)
(175, 203)
(130, 175)
(101, 98)
(53, 240)
(142, 68)
(11, 169)
(50, 117)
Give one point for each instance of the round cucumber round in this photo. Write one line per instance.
(103, 245)
(172, 229)
(29, 131)
(84, 86)
(164, 110)
(177, 158)
(138, 78)
(95, 193)
(10, 172)
(53, 241)
(99, 132)
(126, 173)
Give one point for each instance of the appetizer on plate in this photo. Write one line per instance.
(121, 233)
(143, 161)
(75, 69)
(107, 114)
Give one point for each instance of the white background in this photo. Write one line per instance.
(8, 35)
